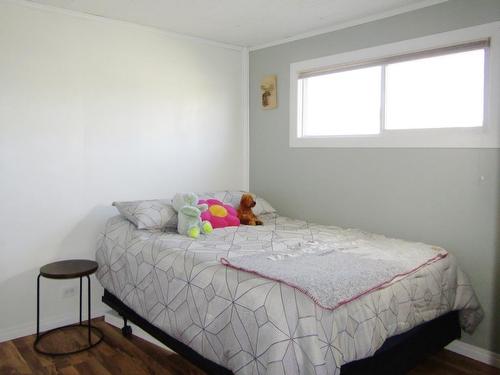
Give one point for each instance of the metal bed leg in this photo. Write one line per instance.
(126, 329)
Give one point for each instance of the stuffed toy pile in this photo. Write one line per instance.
(189, 215)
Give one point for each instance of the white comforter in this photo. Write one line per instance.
(252, 325)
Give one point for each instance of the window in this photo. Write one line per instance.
(435, 95)
(331, 102)
(445, 91)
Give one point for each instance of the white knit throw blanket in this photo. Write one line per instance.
(334, 273)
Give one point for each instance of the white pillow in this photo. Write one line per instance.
(150, 214)
(262, 206)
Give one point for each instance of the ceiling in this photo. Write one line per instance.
(241, 22)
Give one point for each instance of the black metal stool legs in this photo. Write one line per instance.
(38, 306)
(80, 301)
(40, 336)
(89, 316)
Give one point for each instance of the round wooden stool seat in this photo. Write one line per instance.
(69, 269)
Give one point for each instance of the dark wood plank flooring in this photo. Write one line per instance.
(118, 355)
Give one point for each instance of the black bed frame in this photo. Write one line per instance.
(398, 355)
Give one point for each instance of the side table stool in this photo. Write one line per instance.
(67, 269)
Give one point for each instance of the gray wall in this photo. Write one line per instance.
(431, 195)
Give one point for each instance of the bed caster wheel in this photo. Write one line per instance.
(127, 331)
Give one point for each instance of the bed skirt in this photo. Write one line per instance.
(397, 355)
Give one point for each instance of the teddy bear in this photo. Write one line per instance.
(245, 213)
(189, 215)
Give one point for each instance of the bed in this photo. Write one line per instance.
(232, 321)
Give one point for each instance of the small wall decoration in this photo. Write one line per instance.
(268, 92)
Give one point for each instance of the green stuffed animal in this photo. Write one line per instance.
(188, 213)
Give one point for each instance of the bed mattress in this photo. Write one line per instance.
(253, 325)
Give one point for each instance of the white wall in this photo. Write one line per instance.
(91, 111)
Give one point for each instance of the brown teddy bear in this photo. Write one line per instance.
(245, 213)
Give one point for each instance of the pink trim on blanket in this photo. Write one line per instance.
(227, 263)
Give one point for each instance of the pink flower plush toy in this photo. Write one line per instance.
(220, 215)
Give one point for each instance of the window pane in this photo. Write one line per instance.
(437, 92)
(343, 103)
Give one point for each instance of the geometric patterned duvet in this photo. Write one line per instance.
(252, 325)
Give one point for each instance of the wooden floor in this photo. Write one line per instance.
(118, 355)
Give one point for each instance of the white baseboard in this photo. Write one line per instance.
(45, 324)
(111, 317)
(475, 352)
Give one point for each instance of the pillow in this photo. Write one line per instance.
(233, 198)
(262, 206)
(152, 214)
(227, 197)
(219, 214)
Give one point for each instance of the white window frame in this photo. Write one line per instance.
(487, 136)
